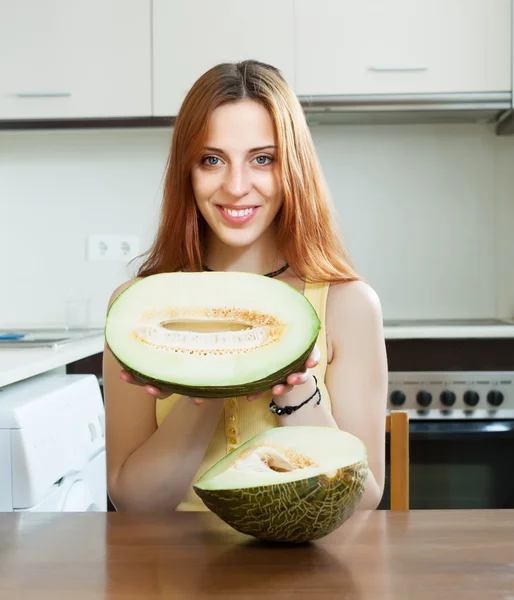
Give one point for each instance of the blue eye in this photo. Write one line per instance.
(214, 161)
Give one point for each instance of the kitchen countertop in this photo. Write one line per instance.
(17, 364)
(448, 332)
(378, 555)
(448, 329)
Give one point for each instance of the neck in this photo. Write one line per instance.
(261, 257)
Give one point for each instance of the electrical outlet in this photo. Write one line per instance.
(112, 247)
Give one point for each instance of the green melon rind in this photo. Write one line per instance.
(294, 512)
(252, 387)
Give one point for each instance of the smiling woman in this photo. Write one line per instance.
(244, 192)
(236, 186)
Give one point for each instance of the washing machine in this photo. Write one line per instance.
(52, 445)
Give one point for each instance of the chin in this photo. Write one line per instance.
(239, 239)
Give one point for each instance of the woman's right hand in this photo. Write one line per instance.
(152, 389)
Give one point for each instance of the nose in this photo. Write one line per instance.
(237, 181)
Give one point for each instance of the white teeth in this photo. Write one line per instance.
(238, 213)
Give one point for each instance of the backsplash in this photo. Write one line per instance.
(427, 211)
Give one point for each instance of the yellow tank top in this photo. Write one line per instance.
(241, 420)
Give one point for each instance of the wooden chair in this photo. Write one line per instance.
(397, 425)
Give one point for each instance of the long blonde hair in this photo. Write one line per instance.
(307, 235)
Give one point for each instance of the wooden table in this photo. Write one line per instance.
(376, 555)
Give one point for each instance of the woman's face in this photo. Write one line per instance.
(236, 182)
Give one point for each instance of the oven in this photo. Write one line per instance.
(459, 394)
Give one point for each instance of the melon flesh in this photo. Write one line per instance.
(288, 484)
(211, 334)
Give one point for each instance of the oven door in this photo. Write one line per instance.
(466, 464)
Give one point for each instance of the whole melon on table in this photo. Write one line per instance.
(211, 334)
(288, 484)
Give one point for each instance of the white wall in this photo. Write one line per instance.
(427, 212)
(55, 189)
(421, 208)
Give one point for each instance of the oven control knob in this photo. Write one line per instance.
(471, 398)
(494, 398)
(397, 398)
(448, 398)
(424, 398)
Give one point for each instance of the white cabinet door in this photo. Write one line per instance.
(73, 59)
(189, 37)
(402, 46)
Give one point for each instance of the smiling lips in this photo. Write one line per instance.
(237, 216)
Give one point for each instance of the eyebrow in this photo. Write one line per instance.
(257, 149)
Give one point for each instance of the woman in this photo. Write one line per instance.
(244, 192)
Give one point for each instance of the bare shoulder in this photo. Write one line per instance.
(354, 316)
(354, 322)
(353, 300)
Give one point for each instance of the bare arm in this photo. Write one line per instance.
(357, 376)
(356, 379)
(150, 468)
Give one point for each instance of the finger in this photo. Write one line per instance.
(153, 391)
(298, 378)
(252, 397)
(280, 389)
(128, 378)
(314, 358)
(197, 401)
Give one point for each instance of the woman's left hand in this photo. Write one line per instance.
(295, 378)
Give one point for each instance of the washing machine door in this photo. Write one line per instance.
(70, 494)
(79, 498)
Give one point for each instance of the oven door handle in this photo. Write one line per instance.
(459, 429)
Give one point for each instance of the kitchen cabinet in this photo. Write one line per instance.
(80, 59)
(402, 46)
(112, 59)
(190, 37)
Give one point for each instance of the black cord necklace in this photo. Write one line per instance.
(272, 274)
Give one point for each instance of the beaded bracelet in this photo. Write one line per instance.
(287, 410)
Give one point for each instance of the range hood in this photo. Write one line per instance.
(407, 108)
(505, 124)
(495, 108)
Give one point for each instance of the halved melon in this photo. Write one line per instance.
(288, 484)
(211, 334)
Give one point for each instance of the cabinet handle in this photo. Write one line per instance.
(398, 68)
(48, 94)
